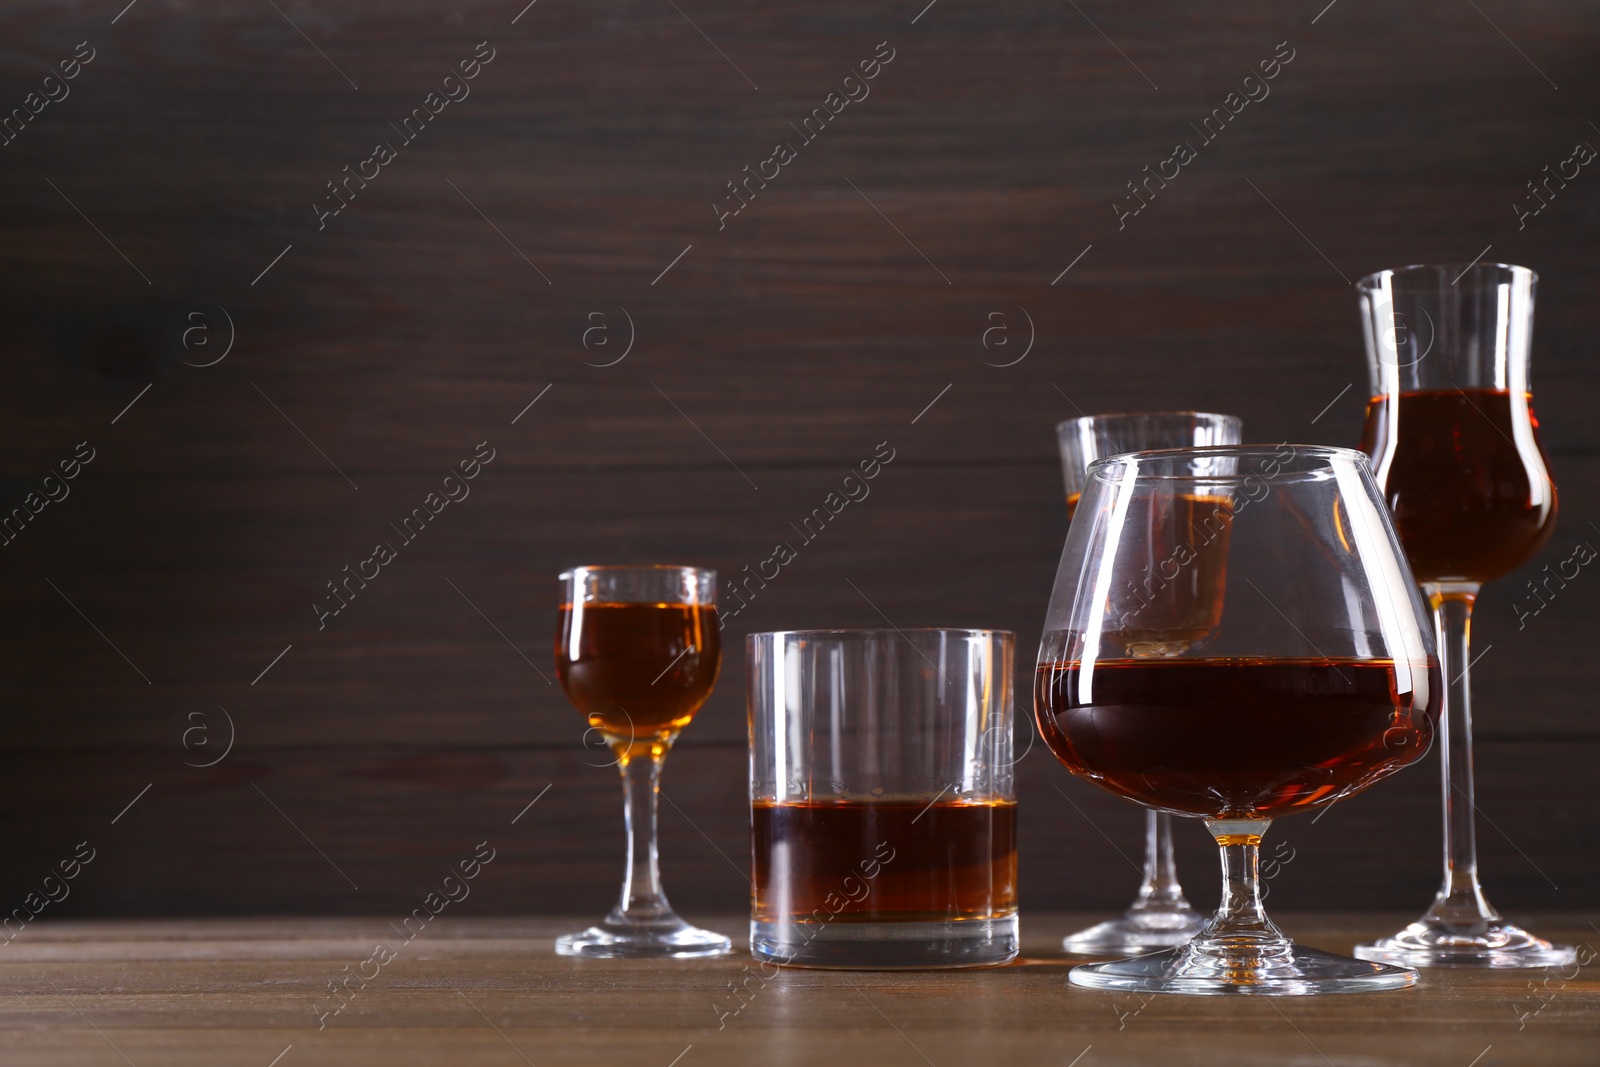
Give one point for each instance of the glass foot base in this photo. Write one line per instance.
(670, 938)
(1493, 943)
(1136, 933)
(1293, 971)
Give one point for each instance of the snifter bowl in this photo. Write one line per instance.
(1235, 636)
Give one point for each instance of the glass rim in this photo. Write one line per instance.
(881, 631)
(1370, 282)
(1327, 452)
(568, 573)
(1081, 419)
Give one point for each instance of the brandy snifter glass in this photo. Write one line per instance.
(638, 650)
(1234, 636)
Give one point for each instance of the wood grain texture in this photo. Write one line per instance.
(369, 830)
(493, 992)
(779, 351)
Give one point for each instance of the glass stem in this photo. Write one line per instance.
(1460, 901)
(1160, 891)
(1241, 922)
(643, 900)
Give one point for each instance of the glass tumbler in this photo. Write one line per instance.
(882, 807)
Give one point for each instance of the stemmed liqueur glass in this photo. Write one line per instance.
(638, 650)
(1234, 636)
(1160, 916)
(1455, 446)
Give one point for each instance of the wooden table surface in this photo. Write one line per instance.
(492, 991)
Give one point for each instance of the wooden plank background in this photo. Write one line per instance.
(850, 295)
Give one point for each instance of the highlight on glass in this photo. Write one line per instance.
(1160, 916)
(637, 650)
(1235, 636)
(882, 806)
(1455, 447)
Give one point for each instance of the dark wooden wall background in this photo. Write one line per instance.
(796, 339)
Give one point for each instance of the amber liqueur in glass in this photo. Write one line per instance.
(638, 670)
(1236, 738)
(1465, 478)
(884, 860)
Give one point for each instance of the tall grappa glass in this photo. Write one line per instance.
(1455, 447)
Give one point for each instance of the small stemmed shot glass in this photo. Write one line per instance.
(638, 650)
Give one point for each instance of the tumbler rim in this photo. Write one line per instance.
(1081, 419)
(881, 631)
(567, 573)
(1369, 282)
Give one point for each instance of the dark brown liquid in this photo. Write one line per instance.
(884, 860)
(1236, 738)
(1174, 595)
(1468, 488)
(1176, 556)
(638, 671)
